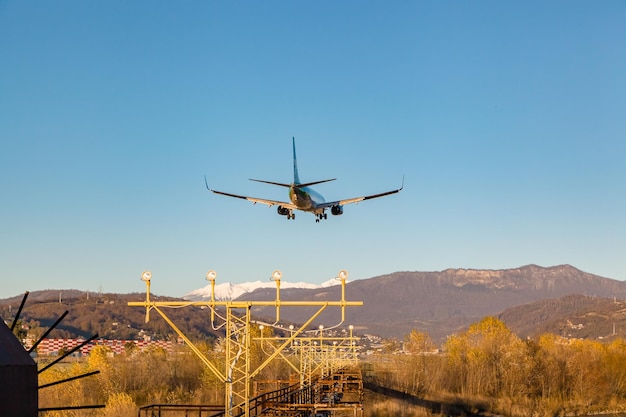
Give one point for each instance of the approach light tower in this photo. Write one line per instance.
(236, 372)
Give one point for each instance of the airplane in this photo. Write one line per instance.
(302, 197)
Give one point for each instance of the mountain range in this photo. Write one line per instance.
(444, 302)
(529, 299)
(230, 291)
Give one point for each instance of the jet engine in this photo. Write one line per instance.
(283, 211)
(336, 210)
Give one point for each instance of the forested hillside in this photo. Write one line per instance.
(573, 316)
(105, 314)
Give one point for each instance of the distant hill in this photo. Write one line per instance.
(46, 295)
(105, 314)
(440, 303)
(571, 316)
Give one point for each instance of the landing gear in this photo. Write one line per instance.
(320, 216)
(291, 216)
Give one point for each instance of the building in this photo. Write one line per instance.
(18, 384)
(54, 346)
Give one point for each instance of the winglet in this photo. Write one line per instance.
(207, 184)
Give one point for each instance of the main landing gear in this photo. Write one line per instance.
(321, 216)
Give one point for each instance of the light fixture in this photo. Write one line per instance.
(211, 275)
(276, 275)
(146, 276)
(343, 275)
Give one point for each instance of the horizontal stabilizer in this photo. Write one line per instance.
(273, 183)
(313, 183)
(280, 184)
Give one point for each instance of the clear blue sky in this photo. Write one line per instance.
(508, 120)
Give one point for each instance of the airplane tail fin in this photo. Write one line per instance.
(296, 177)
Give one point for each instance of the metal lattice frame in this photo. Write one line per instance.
(237, 373)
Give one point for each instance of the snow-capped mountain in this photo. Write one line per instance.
(229, 291)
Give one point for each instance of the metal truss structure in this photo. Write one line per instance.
(315, 357)
(236, 372)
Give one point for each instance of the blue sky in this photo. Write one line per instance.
(507, 120)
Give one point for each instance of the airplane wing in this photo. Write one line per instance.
(255, 200)
(359, 199)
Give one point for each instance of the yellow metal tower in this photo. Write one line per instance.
(236, 372)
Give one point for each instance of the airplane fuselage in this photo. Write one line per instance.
(305, 198)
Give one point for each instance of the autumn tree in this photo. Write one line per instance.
(418, 342)
(614, 367)
(488, 359)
